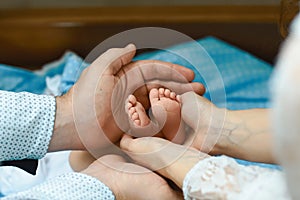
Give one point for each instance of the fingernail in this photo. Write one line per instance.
(130, 45)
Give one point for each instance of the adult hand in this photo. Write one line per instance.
(243, 134)
(130, 181)
(168, 159)
(85, 117)
(206, 121)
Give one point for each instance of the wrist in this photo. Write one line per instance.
(228, 136)
(179, 169)
(64, 135)
(246, 135)
(217, 131)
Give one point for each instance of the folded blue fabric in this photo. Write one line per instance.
(244, 76)
(265, 165)
(17, 79)
(73, 68)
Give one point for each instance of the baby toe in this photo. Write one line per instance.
(173, 95)
(132, 99)
(135, 116)
(161, 92)
(167, 93)
(137, 122)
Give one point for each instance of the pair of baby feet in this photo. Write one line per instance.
(166, 109)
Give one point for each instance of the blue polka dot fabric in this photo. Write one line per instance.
(66, 187)
(26, 124)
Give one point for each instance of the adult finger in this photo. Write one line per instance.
(142, 93)
(126, 142)
(153, 152)
(111, 159)
(141, 177)
(115, 58)
(141, 150)
(161, 156)
(136, 146)
(179, 88)
(154, 69)
(194, 107)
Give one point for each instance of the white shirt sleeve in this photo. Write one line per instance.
(223, 178)
(26, 125)
(65, 187)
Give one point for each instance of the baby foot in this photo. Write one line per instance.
(171, 103)
(136, 112)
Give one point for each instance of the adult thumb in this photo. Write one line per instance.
(115, 58)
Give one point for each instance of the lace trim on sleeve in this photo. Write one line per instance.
(223, 178)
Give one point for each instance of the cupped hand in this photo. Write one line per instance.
(89, 116)
(130, 181)
(206, 121)
(168, 159)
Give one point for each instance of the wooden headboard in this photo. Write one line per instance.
(32, 37)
